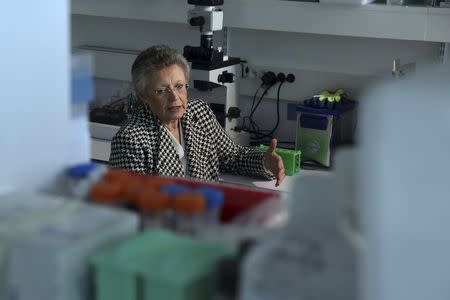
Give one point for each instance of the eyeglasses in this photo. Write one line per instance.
(178, 89)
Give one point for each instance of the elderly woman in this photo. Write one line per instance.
(169, 135)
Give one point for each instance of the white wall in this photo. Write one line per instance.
(318, 61)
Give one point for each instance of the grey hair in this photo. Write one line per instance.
(152, 60)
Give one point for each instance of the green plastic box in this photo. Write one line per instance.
(291, 159)
(158, 265)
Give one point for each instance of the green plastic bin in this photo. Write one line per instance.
(291, 159)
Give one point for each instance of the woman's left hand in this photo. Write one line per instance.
(274, 163)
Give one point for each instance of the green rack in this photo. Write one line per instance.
(158, 265)
(291, 159)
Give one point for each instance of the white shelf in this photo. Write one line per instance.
(111, 63)
(374, 21)
(377, 21)
(438, 25)
(173, 11)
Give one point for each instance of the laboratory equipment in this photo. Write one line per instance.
(21, 213)
(291, 159)
(174, 188)
(107, 118)
(106, 192)
(52, 262)
(403, 186)
(323, 123)
(189, 208)
(400, 70)
(310, 258)
(78, 179)
(210, 67)
(154, 207)
(214, 202)
(114, 189)
(158, 265)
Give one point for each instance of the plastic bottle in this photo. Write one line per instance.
(310, 258)
(81, 177)
(153, 206)
(214, 202)
(189, 208)
(133, 188)
(172, 189)
(132, 184)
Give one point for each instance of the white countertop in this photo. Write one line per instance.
(286, 186)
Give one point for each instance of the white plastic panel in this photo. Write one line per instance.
(35, 72)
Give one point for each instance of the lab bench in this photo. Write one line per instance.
(100, 151)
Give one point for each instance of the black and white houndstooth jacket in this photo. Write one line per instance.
(143, 145)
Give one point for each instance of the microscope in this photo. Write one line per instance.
(210, 68)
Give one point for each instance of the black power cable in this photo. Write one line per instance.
(269, 80)
(248, 117)
(254, 126)
(252, 111)
(278, 111)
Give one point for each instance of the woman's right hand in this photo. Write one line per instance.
(274, 163)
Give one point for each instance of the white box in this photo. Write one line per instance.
(20, 214)
(53, 262)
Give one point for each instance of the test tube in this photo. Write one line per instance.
(153, 207)
(189, 208)
(214, 202)
(133, 184)
(106, 192)
(78, 179)
(158, 181)
(173, 189)
(133, 188)
(116, 175)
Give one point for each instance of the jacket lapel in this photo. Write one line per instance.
(191, 138)
(187, 135)
(165, 158)
(168, 162)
